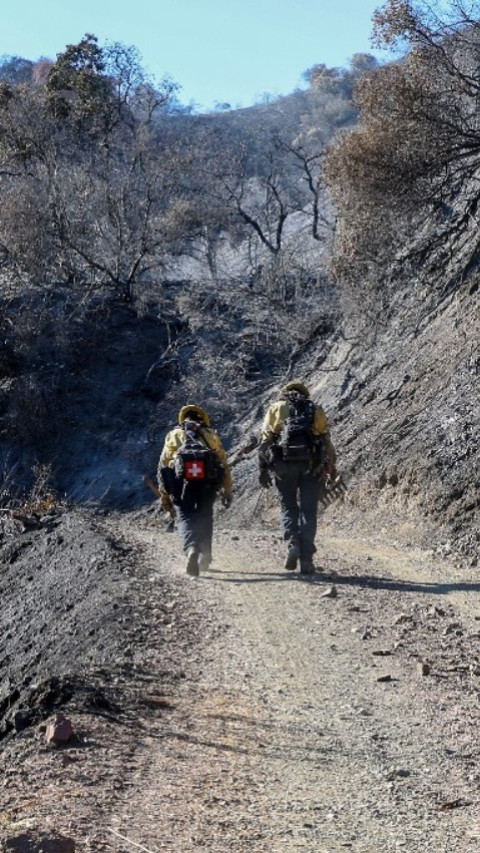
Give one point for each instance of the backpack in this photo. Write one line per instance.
(195, 463)
(296, 441)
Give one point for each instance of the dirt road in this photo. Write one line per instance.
(323, 714)
(309, 724)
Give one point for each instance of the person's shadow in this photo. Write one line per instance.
(362, 581)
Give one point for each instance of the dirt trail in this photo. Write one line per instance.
(250, 709)
(305, 722)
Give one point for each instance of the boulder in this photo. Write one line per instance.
(59, 730)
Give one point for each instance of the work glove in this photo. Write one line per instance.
(330, 475)
(264, 478)
(226, 498)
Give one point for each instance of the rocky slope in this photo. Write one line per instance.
(404, 407)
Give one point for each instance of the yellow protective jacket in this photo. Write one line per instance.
(209, 437)
(276, 417)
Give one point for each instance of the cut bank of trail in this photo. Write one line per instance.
(332, 713)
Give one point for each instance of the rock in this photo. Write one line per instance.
(397, 773)
(402, 619)
(59, 730)
(330, 592)
(454, 627)
(423, 668)
(435, 611)
(35, 841)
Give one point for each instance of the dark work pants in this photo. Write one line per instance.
(194, 515)
(299, 494)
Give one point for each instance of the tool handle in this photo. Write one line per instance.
(152, 486)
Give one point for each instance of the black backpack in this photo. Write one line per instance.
(197, 464)
(296, 440)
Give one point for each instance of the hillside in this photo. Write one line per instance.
(402, 400)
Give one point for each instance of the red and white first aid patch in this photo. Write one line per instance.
(195, 470)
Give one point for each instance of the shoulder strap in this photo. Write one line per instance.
(208, 436)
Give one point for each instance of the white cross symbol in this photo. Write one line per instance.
(196, 470)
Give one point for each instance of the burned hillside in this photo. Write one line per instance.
(257, 258)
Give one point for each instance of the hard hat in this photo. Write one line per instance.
(192, 409)
(296, 385)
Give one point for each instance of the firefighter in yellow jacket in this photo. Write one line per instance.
(193, 476)
(297, 450)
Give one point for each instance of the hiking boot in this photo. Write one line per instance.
(192, 563)
(292, 557)
(306, 566)
(204, 562)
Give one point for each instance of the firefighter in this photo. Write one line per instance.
(193, 470)
(297, 451)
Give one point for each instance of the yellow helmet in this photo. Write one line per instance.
(296, 385)
(192, 409)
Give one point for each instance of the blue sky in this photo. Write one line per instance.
(218, 51)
